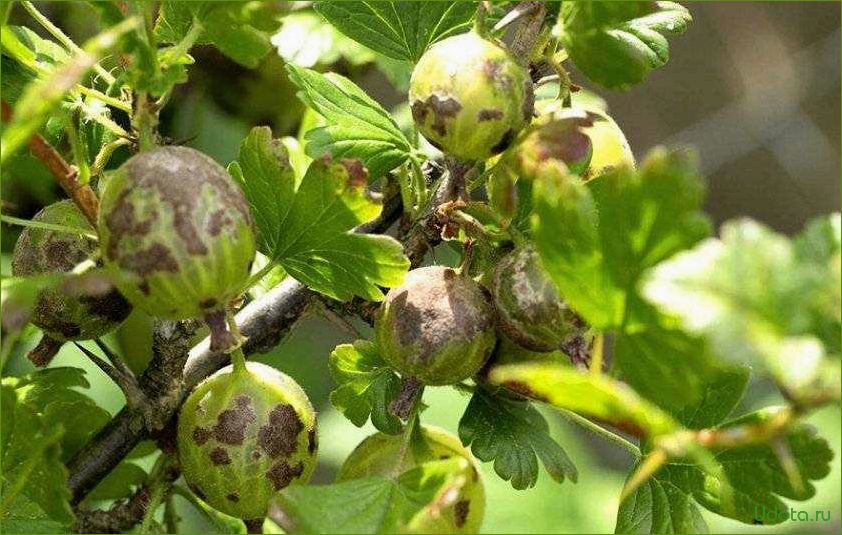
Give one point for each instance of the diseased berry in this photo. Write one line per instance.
(470, 97)
(60, 315)
(558, 136)
(529, 308)
(177, 232)
(437, 327)
(610, 147)
(243, 435)
(378, 455)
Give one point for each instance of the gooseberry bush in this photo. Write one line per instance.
(581, 282)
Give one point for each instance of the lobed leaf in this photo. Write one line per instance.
(307, 228)
(618, 44)
(511, 433)
(367, 385)
(358, 127)
(398, 30)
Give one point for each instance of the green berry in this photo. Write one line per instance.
(177, 232)
(470, 97)
(438, 326)
(61, 316)
(378, 454)
(243, 435)
(529, 308)
(558, 137)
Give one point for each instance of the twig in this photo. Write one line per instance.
(63, 172)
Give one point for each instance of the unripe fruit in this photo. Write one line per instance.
(377, 455)
(243, 435)
(61, 316)
(560, 136)
(176, 229)
(470, 97)
(529, 308)
(438, 326)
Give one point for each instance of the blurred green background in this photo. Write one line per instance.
(755, 87)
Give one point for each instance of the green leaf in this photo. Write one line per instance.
(119, 483)
(240, 30)
(756, 299)
(595, 396)
(618, 44)
(308, 230)
(54, 394)
(756, 477)
(398, 30)
(511, 432)
(615, 228)
(664, 365)
(32, 469)
(660, 506)
(358, 127)
(25, 516)
(374, 504)
(719, 397)
(752, 475)
(366, 386)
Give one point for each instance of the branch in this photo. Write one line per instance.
(64, 173)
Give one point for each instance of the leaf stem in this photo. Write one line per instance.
(600, 431)
(597, 355)
(62, 38)
(11, 220)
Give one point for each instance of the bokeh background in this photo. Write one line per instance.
(753, 86)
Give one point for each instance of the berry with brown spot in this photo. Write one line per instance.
(60, 315)
(378, 454)
(470, 97)
(438, 326)
(530, 310)
(243, 435)
(177, 232)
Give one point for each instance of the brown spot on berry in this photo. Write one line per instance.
(460, 512)
(144, 287)
(112, 306)
(489, 114)
(441, 109)
(231, 423)
(282, 474)
(209, 303)
(280, 435)
(233, 497)
(357, 173)
(219, 456)
(217, 221)
(255, 455)
(504, 142)
(201, 435)
(146, 261)
(312, 441)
